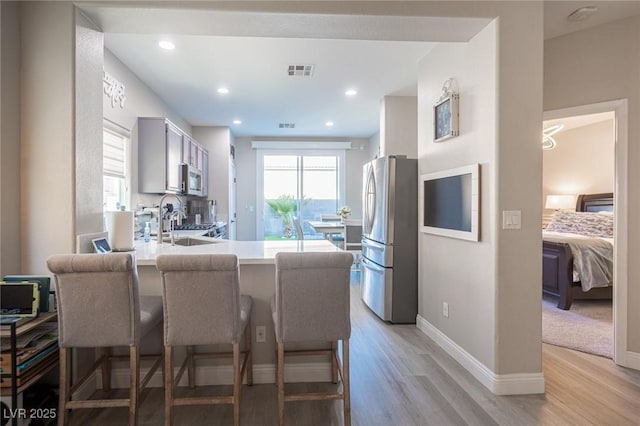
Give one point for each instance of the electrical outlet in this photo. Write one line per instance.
(261, 333)
(445, 309)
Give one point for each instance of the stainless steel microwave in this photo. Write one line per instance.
(192, 183)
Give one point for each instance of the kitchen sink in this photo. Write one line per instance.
(188, 241)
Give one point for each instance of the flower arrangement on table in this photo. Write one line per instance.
(344, 212)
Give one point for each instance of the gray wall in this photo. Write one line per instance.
(10, 138)
(583, 161)
(89, 52)
(442, 279)
(398, 126)
(140, 101)
(495, 299)
(217, 141)
(61, 131)
(48, 126)
(598, 65)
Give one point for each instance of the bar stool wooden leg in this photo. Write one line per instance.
(64, 387)
(346, 382)
(280, 381)
(275, 380)
(248, 341)
(168, 385)
(106, 369)
(237, 383)
(334, 361)
(191, 369)
(134, 384)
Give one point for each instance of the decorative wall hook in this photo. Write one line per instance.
(113, 89)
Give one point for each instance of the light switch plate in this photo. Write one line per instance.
(511, 219)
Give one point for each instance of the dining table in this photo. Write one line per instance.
(327, 228)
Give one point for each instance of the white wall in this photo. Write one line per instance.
(246, 189)
(246, 180)
(10, 217)
(374, 146)
(583, 161)
(495, 298)
(597, 65)
(398, 126)
(470, 324)
(89, 52)
(217, 141)
(140, 101)
(356, 157)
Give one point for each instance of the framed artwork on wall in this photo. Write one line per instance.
(445, 117)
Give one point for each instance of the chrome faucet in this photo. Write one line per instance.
(180, 215)
(160, 233)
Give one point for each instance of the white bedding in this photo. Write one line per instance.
(592, 258)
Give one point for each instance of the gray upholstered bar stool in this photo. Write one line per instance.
(203, 306)
(99, 307)
(312, 305)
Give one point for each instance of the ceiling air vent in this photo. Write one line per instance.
(300, 70)
(287, 125)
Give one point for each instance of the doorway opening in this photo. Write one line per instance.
(604, 117)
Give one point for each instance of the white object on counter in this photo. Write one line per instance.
(119, 225)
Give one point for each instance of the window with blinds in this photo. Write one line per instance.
(114, 158)
(115, 169)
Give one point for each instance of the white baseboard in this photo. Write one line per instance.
(631, 360)
(499, 384)
(223, 375)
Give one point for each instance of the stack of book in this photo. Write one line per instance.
(35, 351)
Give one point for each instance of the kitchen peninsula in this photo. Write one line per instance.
(257, 279)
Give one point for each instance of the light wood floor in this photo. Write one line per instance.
(400, 377)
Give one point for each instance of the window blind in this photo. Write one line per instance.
(114, 159)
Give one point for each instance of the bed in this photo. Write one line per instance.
(577, 251)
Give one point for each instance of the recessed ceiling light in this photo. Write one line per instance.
(351, 92)
(329, 123)
(166, 44)
(223, 90)
(237, 121)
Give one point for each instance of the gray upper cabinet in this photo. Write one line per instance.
(192, 153)
(162, 148)
(205, 173)
(174, 159)
(159, 156)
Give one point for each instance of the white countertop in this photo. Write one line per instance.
(248, 252)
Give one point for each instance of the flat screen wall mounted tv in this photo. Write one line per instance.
(450, 202)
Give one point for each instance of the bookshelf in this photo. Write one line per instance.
(24, 366)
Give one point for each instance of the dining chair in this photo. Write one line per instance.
(353, 240)
(311, 304)
(296, 223)
(99, 307)
(203, 306)
(330, 218)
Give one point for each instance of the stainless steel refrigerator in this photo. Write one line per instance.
(390, 238)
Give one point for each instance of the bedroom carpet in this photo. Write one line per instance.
(586, 327)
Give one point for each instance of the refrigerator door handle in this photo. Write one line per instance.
(372, 266)
(372, 246)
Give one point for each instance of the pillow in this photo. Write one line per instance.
(583, 223)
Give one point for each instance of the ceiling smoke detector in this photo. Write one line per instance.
(582, 14)
(287, 125)
(300, 70)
